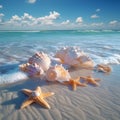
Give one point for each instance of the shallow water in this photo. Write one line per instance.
(17, 46)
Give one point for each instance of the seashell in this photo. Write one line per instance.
(33, 70)
(55, 61)
(23, 67)
(74, 57)
(41, 59)
(57, 73)
(103, 68)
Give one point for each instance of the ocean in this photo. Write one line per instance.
(17, 46)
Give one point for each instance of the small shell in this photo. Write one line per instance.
(41, 59)
(33, 70)
(74, 57)
(57, 73)
(35, 94)
(103, 68)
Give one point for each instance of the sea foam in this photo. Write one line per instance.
(12, 77)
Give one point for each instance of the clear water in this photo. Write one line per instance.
(17, 46)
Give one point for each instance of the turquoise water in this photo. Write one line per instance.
(17, 46)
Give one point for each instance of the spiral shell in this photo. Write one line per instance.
(41, 59)
(74, 57)
(57, 73)
(33, 70)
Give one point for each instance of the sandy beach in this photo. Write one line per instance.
(47, 45)
(86, 103)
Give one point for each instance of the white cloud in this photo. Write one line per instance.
(79, 20)
(48, 19)
(97, 24)
(65, 22)
(97, 10)
(113, 22)
(29, 20)
(27, 17)
(31, 1)
(15, 18)
(94, 16)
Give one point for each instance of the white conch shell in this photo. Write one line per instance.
(33, 70)
(57, 73)
(41, 59)
(74, 57)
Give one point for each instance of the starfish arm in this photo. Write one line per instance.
(42, 102)
(81, 84)
(93, 82)
(27, 91)
(77, 79)
(47, 94)
(74, 86)
(26, 103)
(83, 77)
(38, 89)
(66, 82)
(97, 79)
(96, 84)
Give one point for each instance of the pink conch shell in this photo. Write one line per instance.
(33, 70)
(74, 57)
(41, 59)
(57, 73)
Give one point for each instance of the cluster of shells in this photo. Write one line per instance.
(40, 64)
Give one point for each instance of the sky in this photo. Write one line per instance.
(59, 14)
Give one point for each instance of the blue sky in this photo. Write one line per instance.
(59, 14)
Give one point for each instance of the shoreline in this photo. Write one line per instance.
(101, 103)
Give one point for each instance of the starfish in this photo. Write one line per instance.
(36, 96)
(91, 80)
(74, 83)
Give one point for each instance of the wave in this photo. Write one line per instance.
(52, 31)
(113, 59)
(12, 77)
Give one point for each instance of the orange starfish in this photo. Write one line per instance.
(36, 96)
(74, 83)
(91, 80)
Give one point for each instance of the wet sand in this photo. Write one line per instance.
(86, 103)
